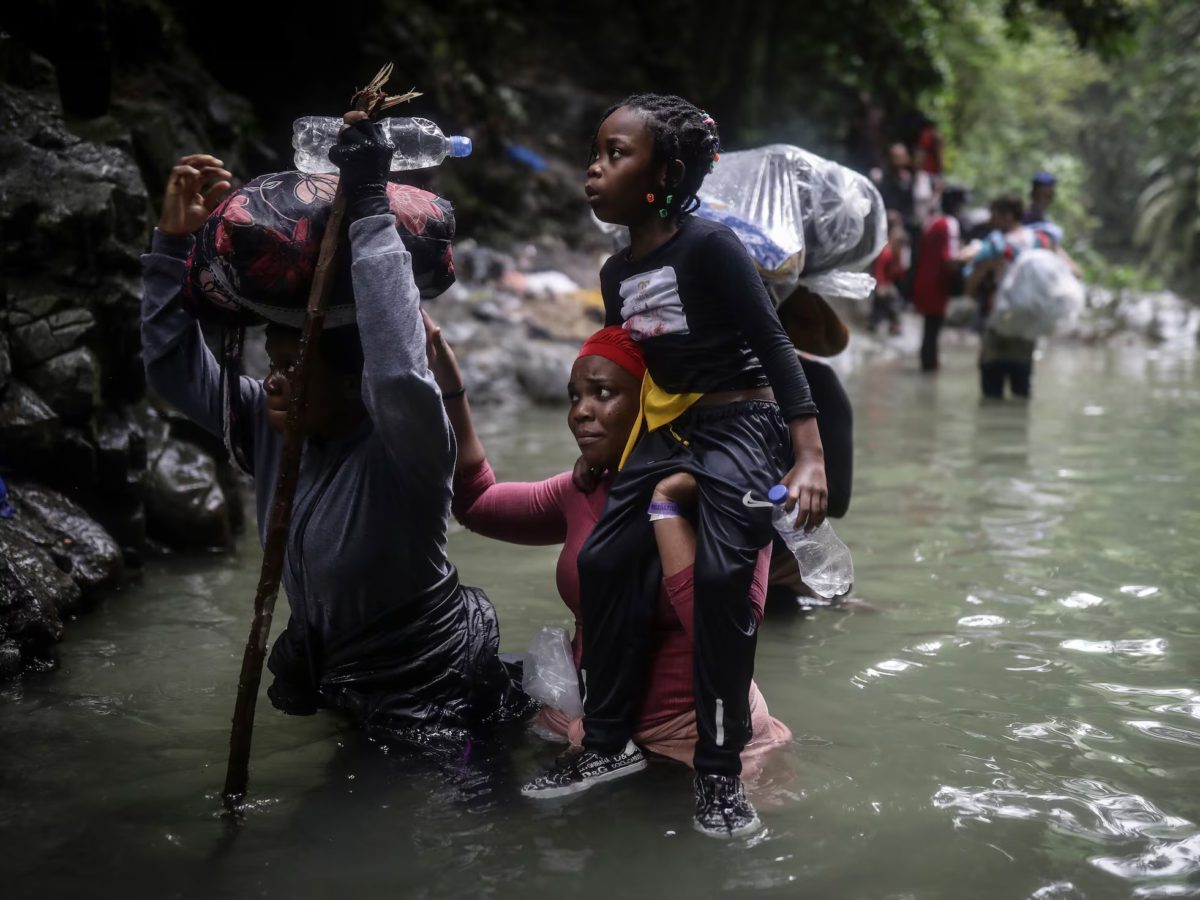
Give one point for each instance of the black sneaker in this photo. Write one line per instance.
(575, 772)
(722, 809)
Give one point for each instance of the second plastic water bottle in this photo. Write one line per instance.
(825, 563)
(419, 143)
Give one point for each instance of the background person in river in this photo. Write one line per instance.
(688, 292)
(1004, 358)
(604, 391)
(380, 626)
(937, 270)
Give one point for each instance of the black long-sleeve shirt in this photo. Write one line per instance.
(698, 308)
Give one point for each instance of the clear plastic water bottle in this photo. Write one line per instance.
(419, 143)
(825, 563)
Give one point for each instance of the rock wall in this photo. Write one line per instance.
(90, 460)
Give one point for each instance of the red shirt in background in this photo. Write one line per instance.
(934, 275)
(930, 144)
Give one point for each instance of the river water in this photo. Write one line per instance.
(1012, 710)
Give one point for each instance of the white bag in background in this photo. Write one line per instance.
(1037, 290)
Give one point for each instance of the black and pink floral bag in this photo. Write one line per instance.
(254, 257)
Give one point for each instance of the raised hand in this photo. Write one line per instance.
(442, 361)
(363, 155)
(194, 188)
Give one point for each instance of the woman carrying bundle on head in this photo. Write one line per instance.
(717, 357)
(380, 626)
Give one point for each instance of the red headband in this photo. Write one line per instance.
(615, 344)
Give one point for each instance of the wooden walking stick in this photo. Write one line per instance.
(371, 100)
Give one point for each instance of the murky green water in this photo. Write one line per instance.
(1014, 713)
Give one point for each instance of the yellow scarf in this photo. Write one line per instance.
(656, 409)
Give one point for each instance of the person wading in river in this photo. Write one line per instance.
(604, 388)
(380, 626)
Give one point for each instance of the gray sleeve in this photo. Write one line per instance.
(179, 366)
(400, 394)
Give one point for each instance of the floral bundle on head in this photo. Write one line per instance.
(254, 258)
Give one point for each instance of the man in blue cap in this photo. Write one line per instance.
(1041, 195)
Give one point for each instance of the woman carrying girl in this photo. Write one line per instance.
(718, 360)
(604, 390)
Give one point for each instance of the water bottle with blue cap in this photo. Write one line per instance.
(825, 563)
(420, 144)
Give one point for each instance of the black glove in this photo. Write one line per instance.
(363, 153)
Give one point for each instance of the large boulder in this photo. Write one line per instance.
(39, 334)
(34, 595)
(544, 368)
(121, 479)
(69, 382)
(28, 427)
(79, 546)
(185, 505)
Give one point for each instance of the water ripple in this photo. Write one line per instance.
(983, 621)
(1167, 733)
(1080, 600)
(1164, 861)
(1135, 648)
(1139, 590)
(1064, 732)
(1081, 806)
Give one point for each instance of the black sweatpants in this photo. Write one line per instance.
(929, 343)
(730, 450)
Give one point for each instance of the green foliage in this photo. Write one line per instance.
(1161, 98)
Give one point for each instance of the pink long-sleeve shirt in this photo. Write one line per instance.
(555, 511)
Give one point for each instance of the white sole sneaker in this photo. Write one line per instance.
(539, 790)
(749, 828)
(579, 787)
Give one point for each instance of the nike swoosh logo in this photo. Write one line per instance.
(753, 504)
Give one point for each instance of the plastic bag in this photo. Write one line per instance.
(1037, 290)
(549, 674)
(838, 284)
(796, 212)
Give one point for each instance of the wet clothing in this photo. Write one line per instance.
(1002, 358)
(380, 626)
(555, 511)
(730, 450)
(1005, 358)
(698, 308)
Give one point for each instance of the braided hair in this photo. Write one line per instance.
(683, 132)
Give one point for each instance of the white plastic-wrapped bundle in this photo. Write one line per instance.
(798, 215)
(805, 221)
(1037, 290)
